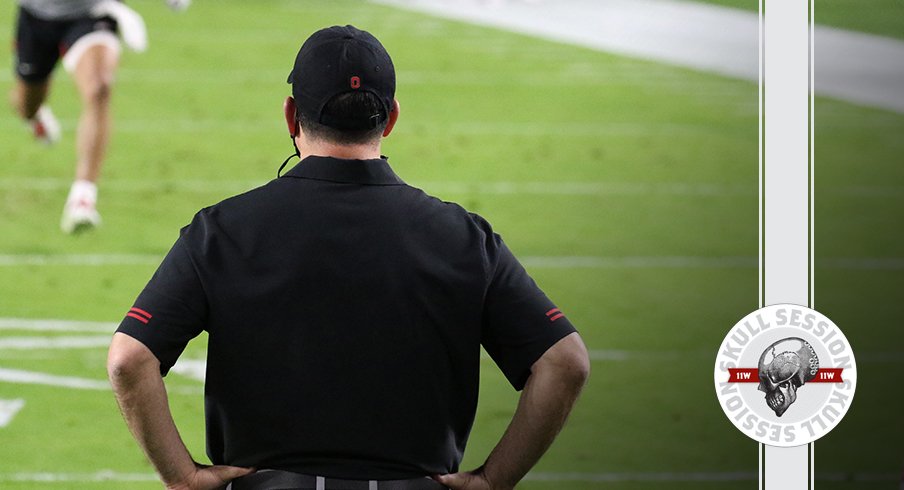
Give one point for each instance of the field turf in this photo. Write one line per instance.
(629, 189)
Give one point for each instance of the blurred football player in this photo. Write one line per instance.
(83, 34)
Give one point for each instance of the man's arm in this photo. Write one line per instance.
(134, 372)
(554, 384)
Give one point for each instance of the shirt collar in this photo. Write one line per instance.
(365, 172)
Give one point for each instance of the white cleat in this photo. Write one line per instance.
(79, 216)
(45, 126)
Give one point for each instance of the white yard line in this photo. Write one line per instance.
(56, 325)
(29, 377)
(99, 476)
(68, 342)
(195, 369)
(146, 185)
(859, 68)
(9, 409)
(15, 260)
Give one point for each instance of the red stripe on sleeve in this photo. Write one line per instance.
(139, 310)
(138, 317)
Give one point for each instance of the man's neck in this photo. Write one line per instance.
(308, 148)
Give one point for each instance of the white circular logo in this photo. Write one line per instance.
(785, 375)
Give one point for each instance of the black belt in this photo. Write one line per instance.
(286, 480)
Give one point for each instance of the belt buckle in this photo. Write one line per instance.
(320, 483)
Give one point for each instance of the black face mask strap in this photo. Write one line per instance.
(296, 154)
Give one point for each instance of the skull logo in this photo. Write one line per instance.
(784, 367)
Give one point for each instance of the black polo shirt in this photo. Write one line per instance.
(345, 313)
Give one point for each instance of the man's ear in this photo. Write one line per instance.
(290, 114)
(393, 117)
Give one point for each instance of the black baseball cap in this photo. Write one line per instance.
(337, 60)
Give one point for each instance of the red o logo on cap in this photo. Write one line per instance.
(355, 82)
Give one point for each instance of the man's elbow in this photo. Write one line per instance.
(568, 360)
(120, 369)
(578, 362)
(128, 360)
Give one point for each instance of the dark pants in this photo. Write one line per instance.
(285, 480)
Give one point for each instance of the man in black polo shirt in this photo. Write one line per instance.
(345, 313)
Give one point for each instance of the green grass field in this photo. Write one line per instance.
(567, 151)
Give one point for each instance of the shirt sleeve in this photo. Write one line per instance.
(520, 323)
(171, 310)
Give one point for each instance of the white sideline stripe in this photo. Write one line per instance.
(700, 476)
(534, 262)
(703, 37)
(860, 68)
(191, 368)
(77, 259)
(9, 409)
(55, 325)
(30, 377)
(38, 343)
(100, 476)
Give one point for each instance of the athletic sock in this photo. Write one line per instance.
(82, 190)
